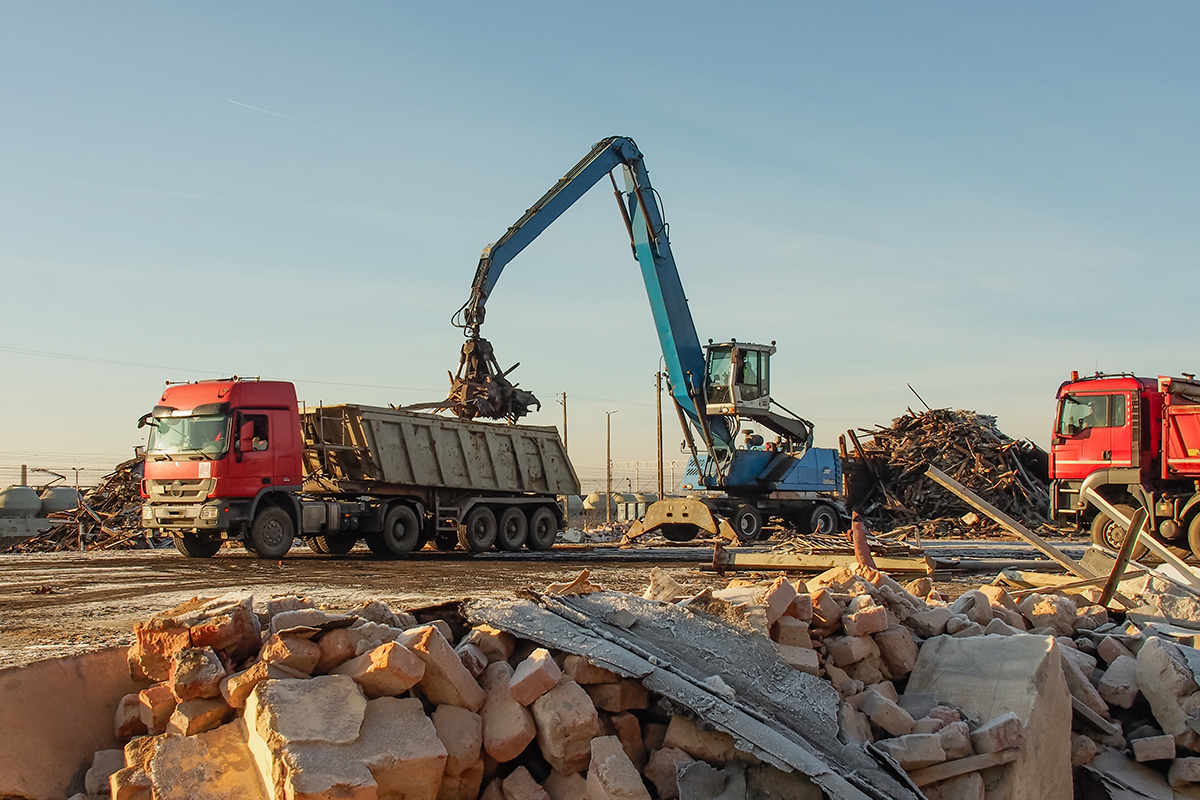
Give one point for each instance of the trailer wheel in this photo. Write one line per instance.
(317, 544)
(272, 533)
(543, 529)
(512, 529)
(822, 520)
(377, 544)
(333, 545)
(401, 530)
(1194, 535)
(445, 542)
(1107, 533)
(747, 523)
(192, 546)
(478, 531)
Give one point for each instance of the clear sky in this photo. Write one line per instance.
(971, 198)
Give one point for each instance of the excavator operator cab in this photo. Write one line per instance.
(739, 379)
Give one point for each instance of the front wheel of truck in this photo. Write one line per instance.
(192, 546)
(272, 533)
(401, 531)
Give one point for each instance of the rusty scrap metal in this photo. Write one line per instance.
(480, 389)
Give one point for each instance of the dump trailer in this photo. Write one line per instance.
(240, 460)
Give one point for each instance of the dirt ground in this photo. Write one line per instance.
(60, 603)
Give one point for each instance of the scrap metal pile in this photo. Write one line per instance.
(108, 517)
(1010, 474)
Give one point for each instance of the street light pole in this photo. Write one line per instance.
(608, 466)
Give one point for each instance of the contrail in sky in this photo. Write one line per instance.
(289, 119)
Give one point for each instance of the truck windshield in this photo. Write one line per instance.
(1082, 411)
(205, 436)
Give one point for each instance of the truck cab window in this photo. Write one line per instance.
(254, 427)
(1078, 412)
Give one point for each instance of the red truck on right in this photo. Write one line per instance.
(1136, 442)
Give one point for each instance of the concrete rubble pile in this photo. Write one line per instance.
(849, 685)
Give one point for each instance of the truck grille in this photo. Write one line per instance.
(191, 490)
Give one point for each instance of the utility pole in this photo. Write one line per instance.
(608, 466)
(658, 399)
(566, 500)
(564, 405)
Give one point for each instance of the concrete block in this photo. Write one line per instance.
(898, 651)
(998, 627)
(1001, 733)
(988, 676)
(290, 651)
(964, 630)
(197, 716)
(791, 632)
(847, 650)
(617, 697)
(662, 770)
(827, 612)
(157, 705)
(1111, 648)
(653, 735)
(1166, 680)
(1089, 618)
(585, 673)
(869, 670)
(336, 647)
(1083, 749)
(1049, 611)
(228, 625)
(195, 672)
(127, 722)
(1184, 771)
(885, 714)
(215, 765)
(520, 785)
(629, 730)
(461, 733)
(534, 676)
(465, 785)
(566, 722)
(714, 747)
(927, 725)
(386, 671)
(956, 740)
(155, 642)
(565, 787)
(662, 588)
(611, 775)
(800, 658)
(777, 599)
(104, 764)
(963, 787)
(472, 658)
(401, 748)
(1119, 684)
(1078, 682)
(801, 607)
(237, 687)
(446, 681)
(854, 724)
(131, 783)
(496, 644)
(1154, 748)
(379, 612)
(974, 605)
(914, 750)
(508, 726)
(929, 623)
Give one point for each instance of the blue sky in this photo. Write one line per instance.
(974, 200)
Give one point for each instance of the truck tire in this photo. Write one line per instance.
(747, 523)
(401, 531)
(477, 532)
(445, 542)
(192, 546)
(823, 520)
(543, 529)
(333, 545)
(317, 545)
(272, 533)
(377, 544)
(1194, 535)
(1108, 534)
(512, 529)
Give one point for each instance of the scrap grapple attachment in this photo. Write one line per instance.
(480, 389)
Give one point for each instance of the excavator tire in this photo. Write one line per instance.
(747, 523)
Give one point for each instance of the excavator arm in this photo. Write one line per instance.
(480, 387)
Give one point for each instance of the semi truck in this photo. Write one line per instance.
(240, 459)
(1136, 443)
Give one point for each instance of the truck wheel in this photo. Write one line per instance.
(401, 530)
(377, 544)
(822, 520)
(512, 529)
(317, 544)
(543, 529)
(193, 546)
(445, 542)
(272, 533)
(747, 523)
(1194, 535)
(333, 545)
(478, 531)
(1106, 533)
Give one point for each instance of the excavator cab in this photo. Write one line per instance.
(739, 379)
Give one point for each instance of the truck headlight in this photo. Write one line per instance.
(209, 512)
(147, 512)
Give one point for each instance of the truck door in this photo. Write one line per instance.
(1084, 434)
(253, 464)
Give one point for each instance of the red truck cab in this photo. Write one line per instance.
(1128, 439)
(218, 454)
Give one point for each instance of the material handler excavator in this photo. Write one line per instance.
(714, 388)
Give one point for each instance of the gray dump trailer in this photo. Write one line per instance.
(372, 473)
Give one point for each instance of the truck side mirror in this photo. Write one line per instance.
(244, 440)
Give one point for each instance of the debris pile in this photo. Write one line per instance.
(108, 516)
(1008, 473)
(847, 685)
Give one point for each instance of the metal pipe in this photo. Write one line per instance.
(658, 403)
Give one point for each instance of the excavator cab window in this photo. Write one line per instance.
(752, 374)
(720, 369)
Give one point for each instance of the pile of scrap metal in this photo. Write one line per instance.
(108, 516)
(888, 484)
(480, 389)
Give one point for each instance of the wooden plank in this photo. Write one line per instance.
(1082, 583)
(813, 562)
(1095, 720)
(1007, 522)
(1145, 538)
(1137, 528)
(961, 766)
